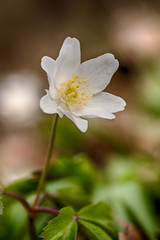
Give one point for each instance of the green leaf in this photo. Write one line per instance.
(62, 227)
(23, 186)
(78, 166)
(67, 192)
(98, 218)
(100, 212)
(131, 202)
(94, 232)
(13, 222)
(71, 232)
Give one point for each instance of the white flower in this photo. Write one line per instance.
(75, 88)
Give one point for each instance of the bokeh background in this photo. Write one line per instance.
(129, 145)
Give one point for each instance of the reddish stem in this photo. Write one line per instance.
(31, 210)
(17, 197)
(46, 210)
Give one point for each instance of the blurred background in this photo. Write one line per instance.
(129, 145)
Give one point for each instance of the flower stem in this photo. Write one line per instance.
(48, 158)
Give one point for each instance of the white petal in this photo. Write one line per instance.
(59, 113)
(48, 105)
(53, 92)
(50, 67)
(98, 71)
(101, 105)
(75, 45)
(68, 60)
(81, 124)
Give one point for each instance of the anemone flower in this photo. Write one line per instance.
(75, 88)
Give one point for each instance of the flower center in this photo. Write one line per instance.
(74, 92)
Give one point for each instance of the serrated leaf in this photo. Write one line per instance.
(62, 227)
(94, 232)
(71, 232)
(100, 212)
(111, 229)
(99, 215)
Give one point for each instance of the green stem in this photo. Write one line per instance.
(48, 158)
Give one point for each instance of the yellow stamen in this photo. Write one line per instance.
(72, 93)
(82, 88)
(62, 100)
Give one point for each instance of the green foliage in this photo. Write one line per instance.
(97, 220)
(136, 167)
(94, 232)
(127, 195)
(62, 227)
(75, 182)
(78, 167)
(13, 222)
(70, 183)
(130, 201)
(23, 186)
(69, 178)
(96, 212)
(1, 205)
(67, 191)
